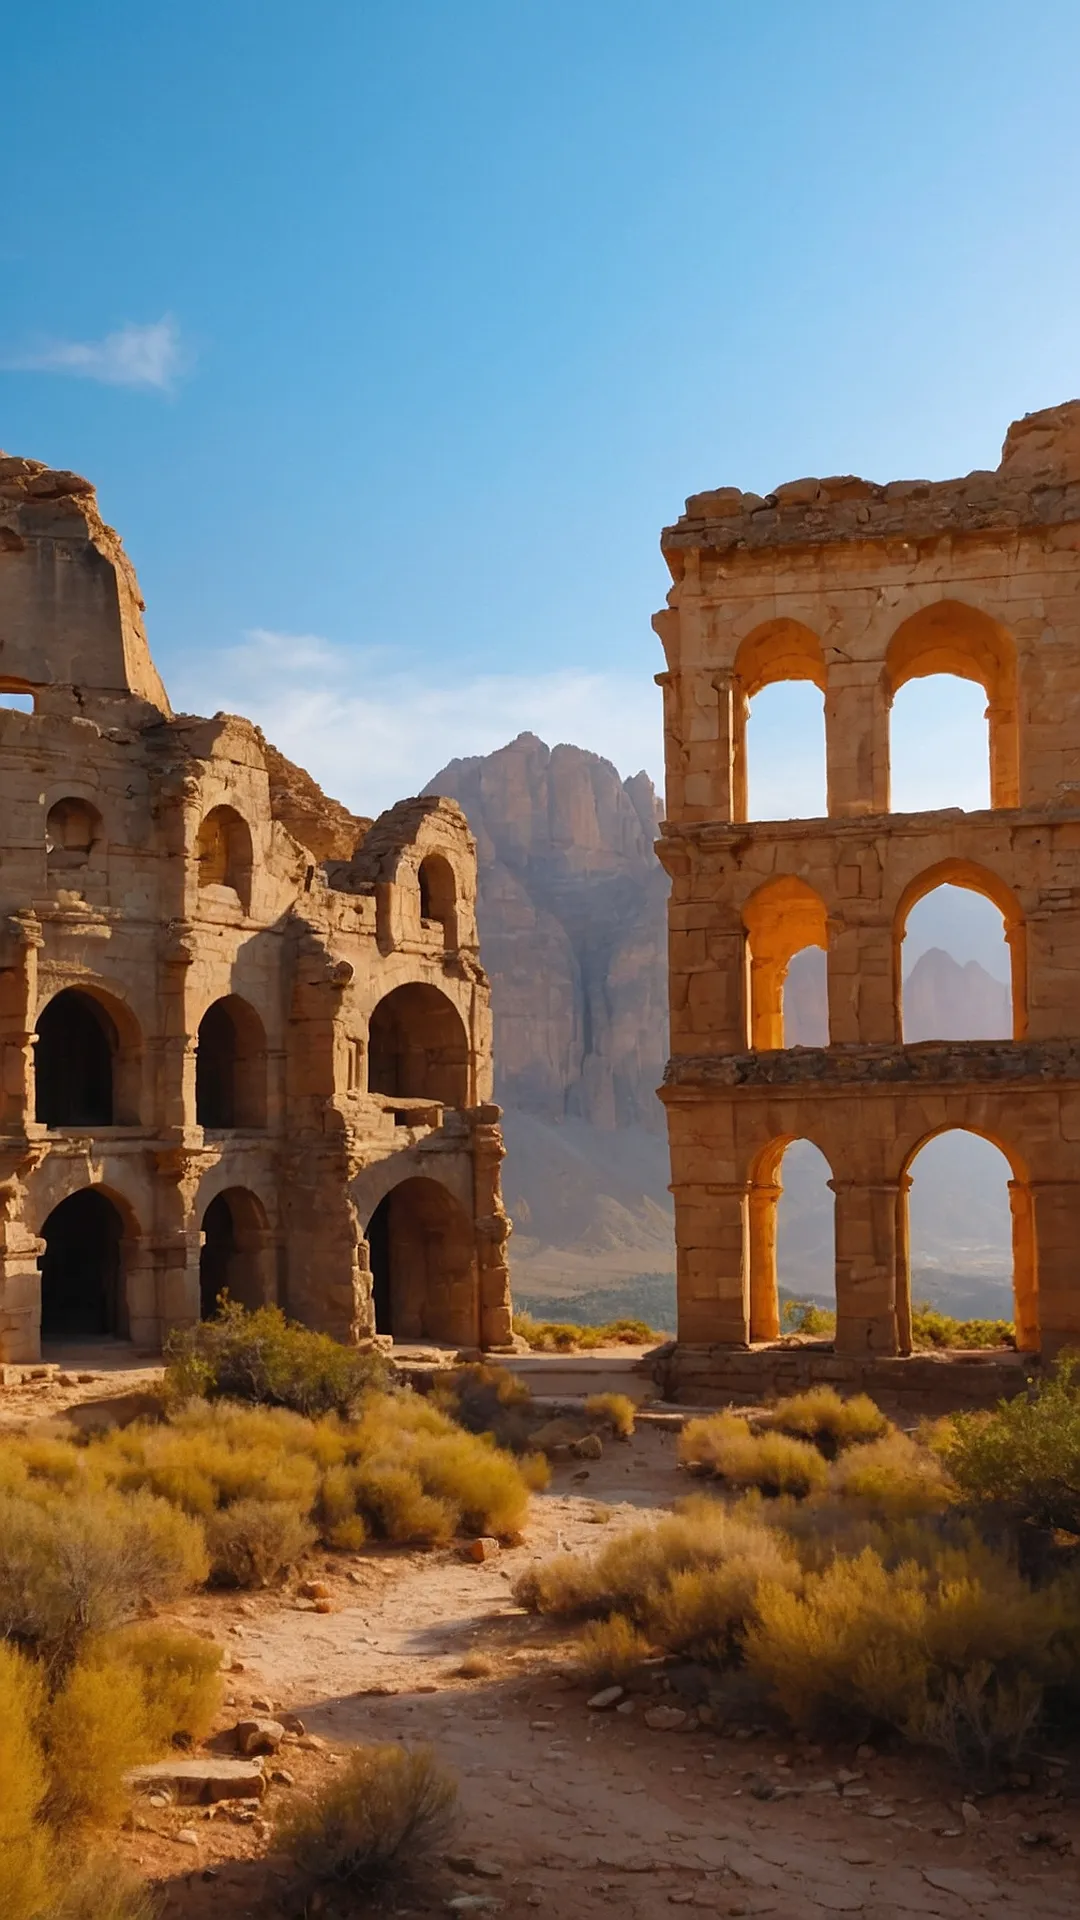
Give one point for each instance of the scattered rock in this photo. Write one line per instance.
(292, 1723)
(314, 1590)
(881, 1810)
(187, 1837)
(258, 1736)
(665, 1719)
(192, 1781)
(606, 1697)
(312, 1743)
(322, 1606)
(484, 1548)
(260, 1704)
(473, 1903)
(475, 1863)
(970, 1814)
(281, 1777)
(589, 1448)
(866, 1753)
(542, 1726)
(847, 1777)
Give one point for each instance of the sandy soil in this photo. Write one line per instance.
(568, 1812)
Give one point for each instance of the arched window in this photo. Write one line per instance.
(17, 694)
(966, 1236)
(779, 718)
(438, 897)
(950, 674)
(423, 1266)
(783, 919)
(77, 1044)
(82, 1278)
(230, 1066)
(71, 830)
(960, 965)
(792, 1241)
(418, 1048)
(224, 853)
(235, 1252)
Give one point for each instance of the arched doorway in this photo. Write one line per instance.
(234, 1252)
(418, 1048)
(951, 682)
(423, 1266)
(787, 932)
(76, 1046)
(230, 1066)
(792, 1241)
(82, 1278)
(779, 724)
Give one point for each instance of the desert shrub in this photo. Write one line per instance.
(567, 1336)
(487, 1399)
(723, 1446)
(634, 1566)
(616, 1410)
(831, 1422)
(263, 1357)
(51, 1458)
(930, 1328)
(610, 1650)
(895, 1477)
(702, 1611)
(382, 1815)
(347, 1536)
(70, 1567)
(179, 1675)
(100, 1889)
(25, 1866)
(393, 1500)
(1024, 1458)
(207, 1457)
(254, 1542)
(95, 1728)
(806, 1317)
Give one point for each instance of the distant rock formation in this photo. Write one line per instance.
(946, 1001)
(572, 920)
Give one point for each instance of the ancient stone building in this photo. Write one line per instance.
(860, 588)
(245, 1038)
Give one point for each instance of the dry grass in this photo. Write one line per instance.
(255, 1542)
(475, 1666)
(380, 1818)
(723, 1447)
(616, 1411)
(567, 1336)
(832, 1423)
(610, 1650)
(25, 1852)
(179, 1676)
(95, 1729)
(894, 1478)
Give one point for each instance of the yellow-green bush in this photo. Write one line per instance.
(25, 1851)
(179, 1676)
(263, 1357)
(723, 1446)
(610, 1650)
(702, 1611)
(894, 1477)
(99, 1888)
(615, 1410)
(931, 1328)
(380, 1816)
(567, 1336)
(255, 1542)
(1023, 1459)
(95, 1728)
(831, 1422)
(634, 1567)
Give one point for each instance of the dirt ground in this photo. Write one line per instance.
(569, 1812)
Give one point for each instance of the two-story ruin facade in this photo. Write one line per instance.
(245, 1039)
(859, 588)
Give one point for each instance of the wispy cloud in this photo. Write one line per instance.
(149, 356)
(371, 732)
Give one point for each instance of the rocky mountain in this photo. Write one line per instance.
(572, 922)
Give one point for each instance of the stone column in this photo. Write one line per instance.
(20, 1291)
(492, 1227)
(20, 939)
(866, 1289)
(1025, 1267)
(862, 977)
(177, 1241)
(764, 1300)
(674, 756)
(729, 776)
(712, 1238)
(856, 739)
(1056, 1210)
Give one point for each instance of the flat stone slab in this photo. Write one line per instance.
(192, 1781)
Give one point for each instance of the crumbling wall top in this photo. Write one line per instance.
(1037, 483)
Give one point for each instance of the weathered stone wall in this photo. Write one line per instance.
(860, 588)
(162, 872)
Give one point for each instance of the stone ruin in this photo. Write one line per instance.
(246, 1037)
(860, 588)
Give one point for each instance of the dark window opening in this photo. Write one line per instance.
(215, 1069)
(73, 1063)
(82, 1295)
(217, 1256)
(418, 1048)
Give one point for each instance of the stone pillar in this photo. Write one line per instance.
(862, 973)
(1004, 732)
(20, 939)
(729, 777)
(177, 1242)
(856, 739)
(1025, 1267)
(20, 1292)
(1056, 1209)
(712, 1238)
(764, 1300)
(492, 1228)
(866, 1289)
(674, 755)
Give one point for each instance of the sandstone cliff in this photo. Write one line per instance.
(571, 907)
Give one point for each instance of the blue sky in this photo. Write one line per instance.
(392, 336)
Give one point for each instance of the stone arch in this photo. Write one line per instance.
(224, 853)
(73, 829)
(781, 919)
(777, 650)
(87, 1060)
(230, 1066)
(424, 1270)
(418, 1048)
(437, 884)
(85, 1266)
(977, 879)
(237, 1254)
(763, 1194)
(949, 636)
(1024, 1247)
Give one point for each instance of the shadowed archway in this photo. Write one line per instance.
(82, 1270)
(423, 1266)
